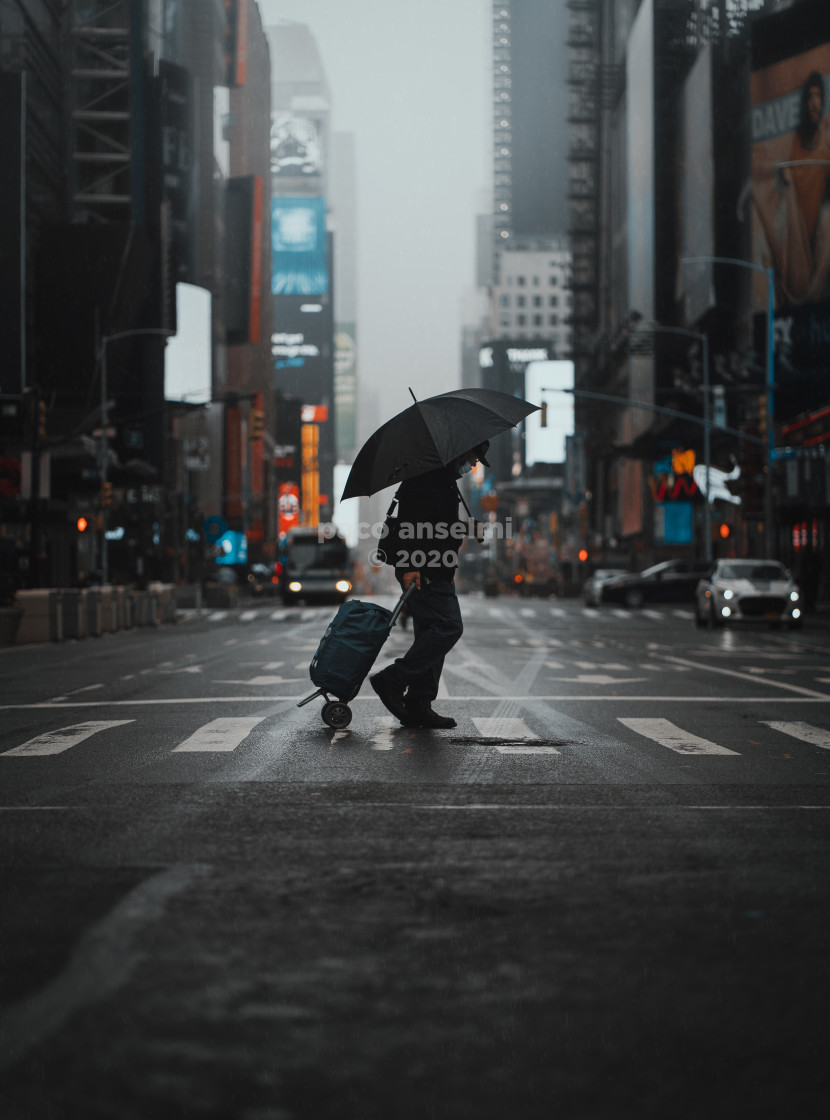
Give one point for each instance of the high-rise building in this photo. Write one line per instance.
(302, 279)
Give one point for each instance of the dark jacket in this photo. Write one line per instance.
(431, 532)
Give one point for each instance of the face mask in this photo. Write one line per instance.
(465, 468)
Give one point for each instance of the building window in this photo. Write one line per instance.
(521, 301)
(535, 281)
(537, 301)
(504, 321)
(520, 280)
(505, 301)
(521, 320)
(554, 280)
(553, 320)
(537, 320)
(553, 301)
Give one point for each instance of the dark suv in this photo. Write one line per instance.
(314, 567)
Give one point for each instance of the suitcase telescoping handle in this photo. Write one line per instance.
(400, 605)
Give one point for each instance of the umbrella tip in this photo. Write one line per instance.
(412, 395)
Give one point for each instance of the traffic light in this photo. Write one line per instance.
(543, 422)
(256, 423)
(106, 493)
(81, 524)
(724, 530)
(41, 419)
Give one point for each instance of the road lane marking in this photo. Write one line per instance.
(719, 669)
(263, 680)
(668, 734)
(62, 738)
(816, 736)
(597, 678)
(221, 734)
(503, 727)
(527, 750)
(101, 962)
(217, 616)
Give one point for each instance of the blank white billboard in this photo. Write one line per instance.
(547, 445)
(187, 356)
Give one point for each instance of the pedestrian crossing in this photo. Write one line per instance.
(474, 609)
(506, 735)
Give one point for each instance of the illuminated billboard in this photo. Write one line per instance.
(790, 85)
(298, 243)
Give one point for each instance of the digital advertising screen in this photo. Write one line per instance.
(298, 247)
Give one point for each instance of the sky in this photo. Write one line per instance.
(411, 81)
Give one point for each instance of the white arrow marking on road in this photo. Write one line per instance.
(597, 678)
(816, 736)
(54, 742)
(667, 734)
(220, 734)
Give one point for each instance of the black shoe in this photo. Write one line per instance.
(391, 695)
(419, 713)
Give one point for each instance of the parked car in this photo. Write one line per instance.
(672, 581)
(592, 588)
(263, 579)
(314, 568)
(748, 591)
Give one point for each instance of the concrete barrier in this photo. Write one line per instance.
(42, 616)
(74, 613)
(52, 614)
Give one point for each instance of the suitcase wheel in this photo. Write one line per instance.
(336, 714)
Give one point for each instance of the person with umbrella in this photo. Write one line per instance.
(426, 449)
(428, 507)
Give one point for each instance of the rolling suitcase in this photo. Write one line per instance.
(346, 653)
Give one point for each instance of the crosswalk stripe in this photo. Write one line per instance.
(507, 727)
(668, 734)
(62, 738)
(528, 612)
(816, 736)
(652, 614)
(248, 616)
(220, 734)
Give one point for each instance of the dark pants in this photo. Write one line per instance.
(437, 625)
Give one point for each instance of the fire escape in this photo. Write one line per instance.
(102, 141)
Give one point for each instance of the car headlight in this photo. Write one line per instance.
(295, 585)
(343, 585)
(728, 593)
(794, 596)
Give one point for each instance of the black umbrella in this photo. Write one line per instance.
(430, 434)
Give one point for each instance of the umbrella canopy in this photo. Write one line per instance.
(430, 434)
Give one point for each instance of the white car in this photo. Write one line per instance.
(592, 588)
(748, 591)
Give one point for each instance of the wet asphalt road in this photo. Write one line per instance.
(603, 894)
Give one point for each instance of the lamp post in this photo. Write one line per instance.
(770, 448)
(703, 339)
(104, 450)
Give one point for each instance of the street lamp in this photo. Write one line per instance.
(770, 275)
(104, 456)
(703, 339)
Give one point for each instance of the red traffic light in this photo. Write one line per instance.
(81, 524)
(583, 555)
(724, 530)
